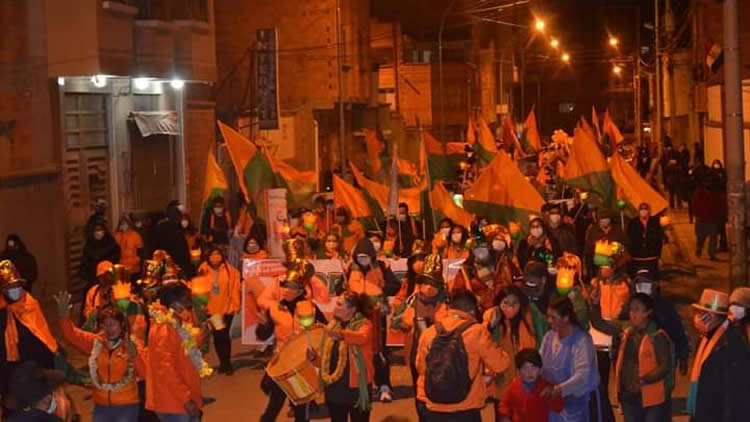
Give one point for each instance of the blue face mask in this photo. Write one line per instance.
(14, 293)
(364, 261)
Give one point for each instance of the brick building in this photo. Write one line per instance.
(75, 77)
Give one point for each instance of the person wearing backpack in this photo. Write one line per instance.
(452, 357)
(644, 372)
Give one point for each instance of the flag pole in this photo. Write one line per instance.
(429, 181)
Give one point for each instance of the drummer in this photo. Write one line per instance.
(283, 319)
(346, 360)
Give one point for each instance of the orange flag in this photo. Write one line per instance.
(374, 149)
(532, 131)
(346, 195)
(443, 203)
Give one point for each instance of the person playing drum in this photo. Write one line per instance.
(346, 360)
(283, 319)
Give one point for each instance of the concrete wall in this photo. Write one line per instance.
(29, 169)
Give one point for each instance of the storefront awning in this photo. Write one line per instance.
(156, 122)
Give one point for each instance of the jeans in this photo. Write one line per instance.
(175, 417)
(632, 406)
(705, 230)
(223, 343)
(339, 413)
(474, 415)
(122, 413)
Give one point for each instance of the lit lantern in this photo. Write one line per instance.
(602, 254)
(665, 221)
(388, 248)
(565, 279)
(514, 229)
(306, 314)
(195, 256)
(308, 221)
(121, 295)
(621, 204)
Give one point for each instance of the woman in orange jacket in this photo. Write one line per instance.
(115, 362)
(131, 245)
(346, 361)
(254, 249)
(175, 364)
(223, 303)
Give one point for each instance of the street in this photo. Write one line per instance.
(239, 397)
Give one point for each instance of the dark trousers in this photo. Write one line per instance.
(276, 399)
(723, 243)
(144, 415)
(339, 413)
(223, 343)
(474, 415)
(604, 362)
(674, 197)
(705, 230)
(632, 406)
(383, 360)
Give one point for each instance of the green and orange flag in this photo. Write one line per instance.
(612, 135)
(587, 169)
(633, 189)
(380, 192)
(442, 159)
(215, 184)
(487, 146)
(530, 139)
(375, 150)
(347, 196)
(502, 193)
(444, 206)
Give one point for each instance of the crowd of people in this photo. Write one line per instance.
(533, 323)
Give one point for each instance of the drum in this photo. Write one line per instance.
(291, 369)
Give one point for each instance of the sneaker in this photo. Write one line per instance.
(386, 395)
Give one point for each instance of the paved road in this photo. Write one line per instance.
(238, 398)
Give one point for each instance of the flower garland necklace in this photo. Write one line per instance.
(94, 366)
(188, 333)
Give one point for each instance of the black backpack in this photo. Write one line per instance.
(447, 380)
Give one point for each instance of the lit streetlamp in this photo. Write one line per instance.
(566, 57)
(613, 42)
(539, 25)
(617, 70)
(554, 43)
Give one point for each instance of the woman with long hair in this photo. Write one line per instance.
(644, 376)
(569, 362)
(509, 323)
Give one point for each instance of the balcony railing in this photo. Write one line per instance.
(166, 10)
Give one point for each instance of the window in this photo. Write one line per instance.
(566, 108)
(86, 120)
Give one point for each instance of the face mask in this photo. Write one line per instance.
(498, 245)
(643, 213)
(181, 208)
(716, 166)
(555, 218)
(456, 237)
(184, 224)
(737, 311)
(402, 217)
(11, 243)
(98, 235)
(293, 222)
(341, 219)
(219, 211)
(332, 246)
(377, 246)
(252, 247)
(481, 254)
(445, 231)
(124, 227)
(646, 288)
(14, 293)
(138, 224)
(363, 261)
(605, 222)
(537, 232)
(482, 224)
(52, 406)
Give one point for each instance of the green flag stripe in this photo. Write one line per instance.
(497, 213)
(600, 186)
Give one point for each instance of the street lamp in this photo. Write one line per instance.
(617, 70)
(613, 42)
(566, 57)
(539, 25)
(554, 43)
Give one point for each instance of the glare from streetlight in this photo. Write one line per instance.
(617, 70)
(554, 43)
(613, 42)
(566, 57)
(539, 25)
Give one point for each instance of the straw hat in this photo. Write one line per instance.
(713, 301)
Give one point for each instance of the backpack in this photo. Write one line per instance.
(447, 380)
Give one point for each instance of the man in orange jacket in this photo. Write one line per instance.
(482, 355)
(175, 367)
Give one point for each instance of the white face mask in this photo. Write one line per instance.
(646, 288)
(402, 217)
(377, 246)
(737, 311)
(293, 222)
(498, 245)
(456, 237)
(252, 247)
(14, 293)
(138, 224)
(481, 254)
(11, 243)
(185, 223)
(537, 232)
(124, 227)
(605, 222)
(555, 218)
(218, 211)
(445, 231)
(643, 213)
(363, 261)
(98, 235)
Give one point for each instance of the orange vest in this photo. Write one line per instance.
(227, 300)
(371, 284)
(285, 324)
(651, 394)
(613, 299)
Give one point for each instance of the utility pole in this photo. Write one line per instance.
(637, 78)
(340, 64)
(659, 120)
(734, 146)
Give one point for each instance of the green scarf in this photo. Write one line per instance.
(363, 402)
